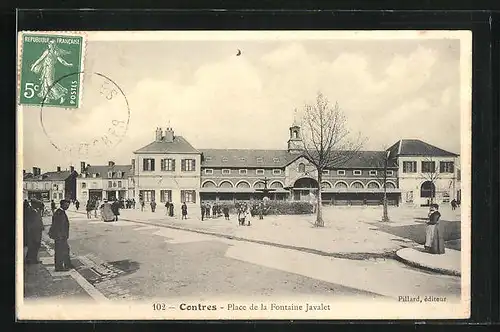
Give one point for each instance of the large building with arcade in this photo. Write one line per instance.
(171, 169)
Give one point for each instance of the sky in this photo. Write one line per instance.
(388, 90)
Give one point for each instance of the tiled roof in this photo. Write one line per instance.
(51, 176)
(179, 145)
(366, 159)
(104, 169)
(246, 158)
(416, 147)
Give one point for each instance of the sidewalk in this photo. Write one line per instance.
(448, 263)
(42, 282)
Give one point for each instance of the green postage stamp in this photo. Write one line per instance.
(51, 67)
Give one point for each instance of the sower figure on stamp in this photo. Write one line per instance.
(45, 66)
(434, 241)
(59, 232)
(35, 229)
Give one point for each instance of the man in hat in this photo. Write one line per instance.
(59, 232)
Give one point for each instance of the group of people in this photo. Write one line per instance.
(454, 204)
(216, 211)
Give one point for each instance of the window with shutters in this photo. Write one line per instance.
(168, 165)
(148, 164)
(119, 184)
(446, 167)
(110, 184)
(188, 165)
(409, 167)
(188, 196)
(428, 166)
(165, 196)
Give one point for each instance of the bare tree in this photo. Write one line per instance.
(326, 141)
(430, 173)
(383, 166)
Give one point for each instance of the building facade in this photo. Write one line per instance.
(48, 186)
(98, 182)
(168, 169)
(410, 172)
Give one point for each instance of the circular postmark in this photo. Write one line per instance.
(97, 126)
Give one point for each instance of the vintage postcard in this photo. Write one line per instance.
(243, 175)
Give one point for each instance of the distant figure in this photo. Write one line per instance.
(89, 207)
(214, 210)
(142, 204)
(202, 211)
(167, 208)
(434, 241)
(184, 210)
(453, 204)
(242, 215)
(77, 205)
(261, 210)
(153, 205)
(107, 212)
(226, 212)
(115, 207)
(133, 203)
(52, 206)
(207, 210)
(96, 207)
(171, 209)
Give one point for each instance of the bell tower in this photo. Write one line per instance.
(295, 143)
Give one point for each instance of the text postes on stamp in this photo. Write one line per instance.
(47, 61)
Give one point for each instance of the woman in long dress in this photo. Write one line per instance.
(45, 66)
(434, 241)
(106, 212)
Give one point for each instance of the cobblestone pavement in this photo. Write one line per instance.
(126, 260)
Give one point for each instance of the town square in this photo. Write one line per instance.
(174, 185)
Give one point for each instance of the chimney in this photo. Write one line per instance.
(36, 171)
(111, 163)
(82, 167)
(58, 168)
(71, 169)
(133, 165)
(24, 172)
(158, 134)
(169, 135)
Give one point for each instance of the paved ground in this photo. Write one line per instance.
(128, 260)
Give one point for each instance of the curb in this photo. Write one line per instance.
(425, 267)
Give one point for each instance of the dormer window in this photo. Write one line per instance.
(260, 159)
(208, 158)
(224, 159)
(276, 160)
(242, 159)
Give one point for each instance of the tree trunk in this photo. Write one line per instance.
(385, 216)
(319, 216)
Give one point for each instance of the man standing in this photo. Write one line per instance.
(59, 232)
(35, 229)
(153, 205)
(202, 211)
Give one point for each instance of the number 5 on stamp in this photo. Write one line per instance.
(48, 64)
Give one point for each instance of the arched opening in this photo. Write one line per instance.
(390, 185)
(428, 190)
(295, 134)
(373, 185)
(306, 183)
(243, 184)
(209, 184)
(326, 185)
(276, 185)
(357, 185)
(341, 185)
(259, 185)
(302, 168)
(225, 184)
